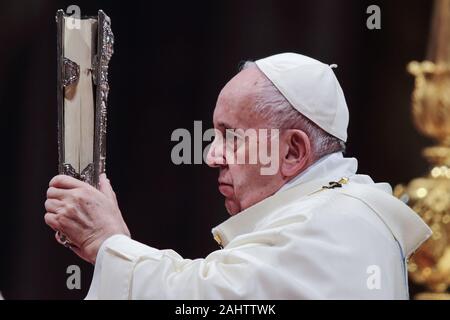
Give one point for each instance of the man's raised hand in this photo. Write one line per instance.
(85, 215)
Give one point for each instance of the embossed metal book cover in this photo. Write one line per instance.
(85, 46)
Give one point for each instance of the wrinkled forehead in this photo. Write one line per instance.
(237, 99)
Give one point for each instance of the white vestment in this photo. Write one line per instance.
(304, 242)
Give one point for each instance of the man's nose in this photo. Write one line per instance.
(215, 157)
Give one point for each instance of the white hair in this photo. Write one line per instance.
(275, 108)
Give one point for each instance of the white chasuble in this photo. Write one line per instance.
(304, 242)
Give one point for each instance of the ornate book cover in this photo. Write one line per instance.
(85, 47)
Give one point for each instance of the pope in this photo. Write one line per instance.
(312, 229)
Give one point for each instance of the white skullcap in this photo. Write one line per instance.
(311, 87)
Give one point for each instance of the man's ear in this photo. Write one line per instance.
(296, 153)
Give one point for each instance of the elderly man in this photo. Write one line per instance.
(314, 229)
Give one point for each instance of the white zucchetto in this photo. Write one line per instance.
(311, 87)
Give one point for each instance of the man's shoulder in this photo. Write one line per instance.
(330, 209)
(326, 200)
(344, 199)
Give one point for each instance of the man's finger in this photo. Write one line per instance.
(55, 193)
(105, 187)
(66, 182)
(53, 205)
(51, 221)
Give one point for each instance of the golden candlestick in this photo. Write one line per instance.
(429, 196)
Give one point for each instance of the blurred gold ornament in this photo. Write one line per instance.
(429, 196)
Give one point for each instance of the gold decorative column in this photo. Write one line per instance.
(429, 196)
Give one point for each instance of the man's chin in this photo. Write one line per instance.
(232, 207)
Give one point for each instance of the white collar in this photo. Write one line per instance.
(333, 164)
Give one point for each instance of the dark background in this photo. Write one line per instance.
(171, 60)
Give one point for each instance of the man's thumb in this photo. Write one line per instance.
(105, 187)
